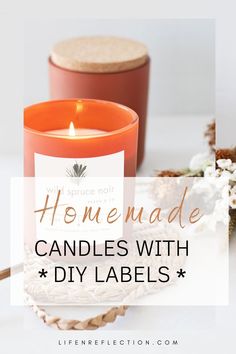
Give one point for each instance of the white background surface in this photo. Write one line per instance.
(182, 58)
(205, 330)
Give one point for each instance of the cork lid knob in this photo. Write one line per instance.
(99, 54)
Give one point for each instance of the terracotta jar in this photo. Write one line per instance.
(105, 68)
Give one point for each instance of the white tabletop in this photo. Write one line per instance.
(171, 141)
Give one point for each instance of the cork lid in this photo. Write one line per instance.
(99, 54)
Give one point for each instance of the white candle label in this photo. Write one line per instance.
(100, 166)
(82, 182)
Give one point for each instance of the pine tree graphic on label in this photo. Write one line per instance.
(78, 171)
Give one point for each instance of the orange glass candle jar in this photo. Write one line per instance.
(95, 137)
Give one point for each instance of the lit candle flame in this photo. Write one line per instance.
(79, 108)
(72, 129)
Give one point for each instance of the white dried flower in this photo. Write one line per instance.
(233, 190)
(210, 171)
(224, 163)
(232, 201)
(219, 215)
(225, 192)
(200, 161)
(233, 178)
(232, 167)
(226, 174)
(218, 172)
